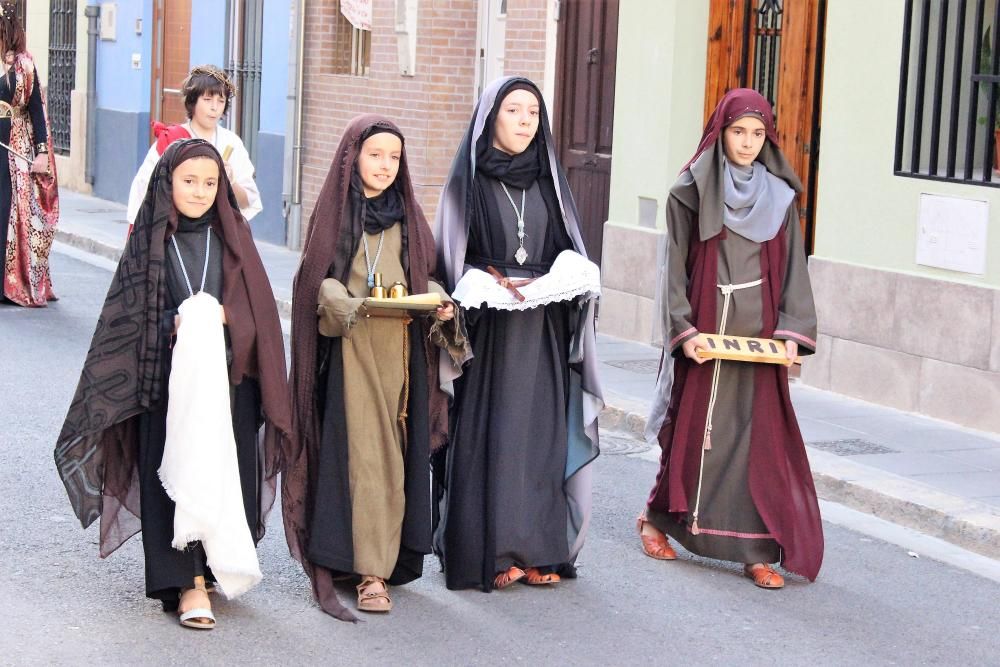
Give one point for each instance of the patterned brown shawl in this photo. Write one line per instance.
(96, 452)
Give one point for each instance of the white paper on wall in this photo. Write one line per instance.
(951, 233)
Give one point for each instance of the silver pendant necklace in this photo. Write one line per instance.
(369, 265)
(521, 255)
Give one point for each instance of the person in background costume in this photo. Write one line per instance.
(207, 93)
(734, 481)
(29, 194)
(356, 497)
(513, 486)
(186, 364)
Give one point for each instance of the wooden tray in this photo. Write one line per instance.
(414, 303)
(742, 348)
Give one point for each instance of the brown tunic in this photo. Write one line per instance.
(375, 353)
(730, 525)
(375, 371)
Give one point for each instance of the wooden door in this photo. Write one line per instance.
(585, 105)
(171, 59)
(776, 48)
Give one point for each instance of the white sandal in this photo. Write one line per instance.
(199, 618)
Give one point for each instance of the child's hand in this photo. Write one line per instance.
(445, 312)
(791, 350)
(691, 347)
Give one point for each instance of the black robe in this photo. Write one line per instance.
(168, 569)
(504, 501)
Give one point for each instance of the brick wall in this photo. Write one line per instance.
(524, 52)
(432, 108)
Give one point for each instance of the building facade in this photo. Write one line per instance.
(905, 245)
(145, 49)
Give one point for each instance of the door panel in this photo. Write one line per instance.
(775, 47)
(587, 55)
(172, 59)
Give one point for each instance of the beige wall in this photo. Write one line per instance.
(892, 331)
(865, 215)
(659, 95)
(37, 33)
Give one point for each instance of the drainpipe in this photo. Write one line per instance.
(291, 195)
(93, 13)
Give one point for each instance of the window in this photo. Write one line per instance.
(62, 70)
(352, 48)
(948, 113)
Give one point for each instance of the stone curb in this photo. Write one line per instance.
(965, 523)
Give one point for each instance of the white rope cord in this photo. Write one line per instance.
(204, 271)
(706, 440)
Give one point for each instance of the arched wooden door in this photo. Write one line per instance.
(776, 48)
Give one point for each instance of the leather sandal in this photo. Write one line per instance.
(373, 595)
(534, 577)
(508, 577)
(763, 576)
(198, 618)
(655, 546)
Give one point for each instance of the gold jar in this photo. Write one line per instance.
(397, 291)
(379, 291)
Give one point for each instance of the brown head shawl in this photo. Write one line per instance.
(122, 377)
(332, 240)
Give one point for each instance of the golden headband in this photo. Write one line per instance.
(212, 71)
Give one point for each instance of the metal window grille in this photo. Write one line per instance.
(352, 48)
(767, 48)
(948, 113)
(245, 65)
(62, 70)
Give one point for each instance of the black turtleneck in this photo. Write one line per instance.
(190, 237)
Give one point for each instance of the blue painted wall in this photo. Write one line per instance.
(274, 78)
(123, 98)
(208, 32)
(269, 225)
(123, 101)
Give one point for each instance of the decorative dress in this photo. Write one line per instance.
(29, 203)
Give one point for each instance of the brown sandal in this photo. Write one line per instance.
(508, 577)
(764, 576)
(655, 546)
(373, 595)
(534, 577)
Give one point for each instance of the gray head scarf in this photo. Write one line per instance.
(756, 200)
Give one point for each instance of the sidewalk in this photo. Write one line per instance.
(927, 474)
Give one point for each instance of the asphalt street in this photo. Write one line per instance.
(876, 602)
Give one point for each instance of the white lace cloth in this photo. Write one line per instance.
(199, 470)
(571, 275)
